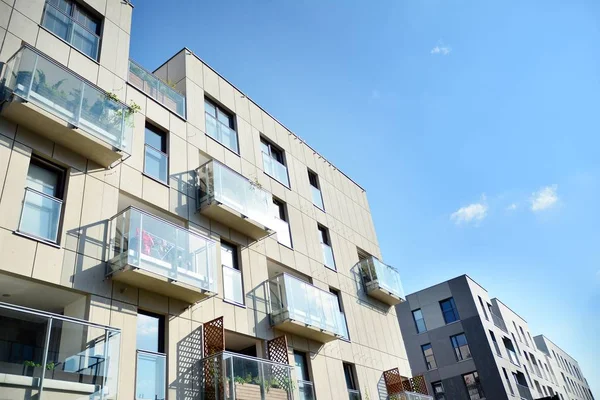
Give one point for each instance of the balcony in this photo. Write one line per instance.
(381, 281)
(46, 355)
(155, 88)
(499, 322)
(524, 392)
(148, 252)
(300, 308)
(227, 375)
(228, 197)
(55, 102)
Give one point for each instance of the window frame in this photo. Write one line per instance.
(420, 319)
(233, 125)
(428, 363)
(164, 150)
(458, 348)
(77, 7)
(161, 347)
(274, 149)
(235, 259)
(438, 395)
(454, 310)
(476, 383)
(350, 372)
(59, 197)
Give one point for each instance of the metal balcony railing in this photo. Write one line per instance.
(499, 322)
(375, 273)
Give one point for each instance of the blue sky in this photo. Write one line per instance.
(471, 124)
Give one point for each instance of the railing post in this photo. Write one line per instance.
(33, 71)
(80, 104)
(45, 356)
(105, 368)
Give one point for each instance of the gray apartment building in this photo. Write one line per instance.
(470, 346)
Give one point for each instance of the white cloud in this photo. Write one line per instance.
(441, 49)
(544, 198)
(512, 207)
(473, 212)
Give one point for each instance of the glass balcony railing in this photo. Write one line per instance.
(40, 215)
(328, 259)
(499, 322)
(317, 197)
(306, 390)
(235, 376)
(42, 351)
(294, 300)
(353, 394)
(221, 133)
(275, 169)
(156, 88)
(69, 30)
(156, 163)
(220, 184)
(232, 285)
(377, 275)
(151, 376)
(38, 80)
(141, 240)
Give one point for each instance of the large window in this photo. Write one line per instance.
(419, 321)
(473, 386)
(274, 162)
(42, 205)
(428, 355)
(461, 347)
(156, 159)
(449, 310)
(74, 24)
(325, 240)
(438, 391)
(151, 360)
(220, 125)
(232, 276)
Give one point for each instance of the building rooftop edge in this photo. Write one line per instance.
(557, 346)
(448, 280)
(265, 111)
(513, 311)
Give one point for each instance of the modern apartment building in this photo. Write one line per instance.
(173, 241)
(470, 346)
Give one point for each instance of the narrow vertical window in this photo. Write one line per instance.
(351, 381)
(449, 310)
(220, 125)
(42, 204)
(282, 226)
(325, 240)
(151, 359)
(461, 347)
(483, 308)
(233, 289)
(512, 392)
(315, 187)
(473, 385)
(438, 391)
(419, 321)
(156, 159)
(338, 296)
(429, 357)
(274, 162)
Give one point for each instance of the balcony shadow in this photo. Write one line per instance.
(189, 352)
(92, 248)
(363, 298)
(382, 393)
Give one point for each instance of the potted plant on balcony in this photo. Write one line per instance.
(278, 389)
(246, 388)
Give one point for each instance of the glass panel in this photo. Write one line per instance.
(232, 285)
(353, 394)
(275, 169)
(210, 108)
(386, 276)
(155, 163)
(156, 88)
(85, 41)
(40, 215)
(43, 180)
(283, 232)
(57, 22)
(221, 184)
(150, 376)
(317, 197)
(58, 91)
(306, 390)
(328, 256)
(148, 332)
(306, 303)
(147, 242)
(221, 133)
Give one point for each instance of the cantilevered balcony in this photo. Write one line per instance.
(228, 197)
(155, 88)
(53, 101)
(381, 281)
(151, 253)
(230, 375)
(300, 308)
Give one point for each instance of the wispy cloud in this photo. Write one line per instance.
(544, 198)
(441, 49)
(475, 212)
(512, 207)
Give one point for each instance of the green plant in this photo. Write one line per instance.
(31, 364)
(50, 366)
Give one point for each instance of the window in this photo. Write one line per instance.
(449, 310)
(220, 125)
(233, 289)
(301, 367)
(151, 360)
(338, 296)
(428, 354)
(156, 159)
(512, 392)
(282, 226)
(537, 386)
(516, 344)
(512, 355)
(473, 386)
(518, 334)
(317, 196)
(42, 205)
(523, 334)
(73, 24)
(530, 339)
(461, 347)
(274, 162)
(495, 344)
(438, 391)
(483, 308)
(326, 247)
(419, 321)
(350, 375)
